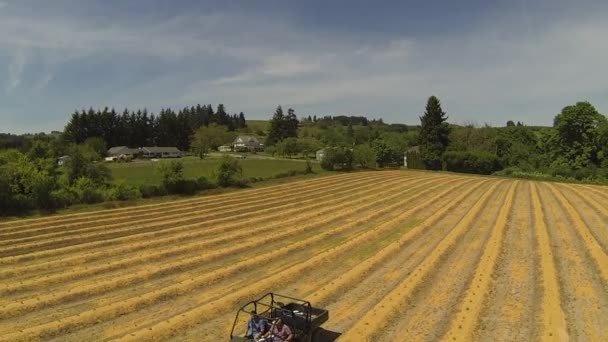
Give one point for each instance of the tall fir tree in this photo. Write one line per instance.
(276, 131)
(242, 121)
(291, 125)
(434, 134)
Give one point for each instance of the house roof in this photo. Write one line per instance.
(161, 149)
(117, 149)
(246, 139)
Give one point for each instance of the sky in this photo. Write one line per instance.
(487, 61)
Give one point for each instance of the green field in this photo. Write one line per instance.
(144, 172)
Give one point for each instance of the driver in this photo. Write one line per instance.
(256, 326)
(279, 332)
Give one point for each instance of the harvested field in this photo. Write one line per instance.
(393, 255)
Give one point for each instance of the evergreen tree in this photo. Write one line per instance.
(141, 128)
(291, 125)
(242, 121)
(434, 134)
(276, 132)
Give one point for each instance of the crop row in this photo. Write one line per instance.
(197, 219)
(177, 236)
(149, 298)
(236, 204)
(360, 196)
(415, 235)
(77, 219)
(185, 319)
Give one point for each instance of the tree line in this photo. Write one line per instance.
(575, 147)
(140, 128)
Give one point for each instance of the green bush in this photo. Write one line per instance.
(364, 156)
(229, 173)
(187, 187)
(86, 191)
(124, 192)
(150, 190)
(337, 158)
(63, 198)
(478, 162)
(204, 184)
(172, 175)
(328, 160)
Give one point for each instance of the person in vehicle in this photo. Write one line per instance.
(279, 332)
(256, 326)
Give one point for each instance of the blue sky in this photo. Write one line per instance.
(488, 61)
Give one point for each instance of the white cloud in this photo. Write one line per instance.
(494, 72)
(485, 76)
(15, 69)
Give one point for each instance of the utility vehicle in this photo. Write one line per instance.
(298, 314)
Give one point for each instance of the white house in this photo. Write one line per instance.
(120, 150)
(161, 152)
(247, 142)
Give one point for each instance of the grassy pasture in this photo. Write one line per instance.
(144, 172)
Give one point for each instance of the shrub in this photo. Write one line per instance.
(123, 192)
(186, 187)
(328, 160)
(204, 184)
(364, 156)
(86, 191)
(229, 173)
(172, 175)
(339, 158)
(63, 198)
(149, 190)
(478, 162)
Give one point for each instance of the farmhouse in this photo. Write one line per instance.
(161, 152)
(247, 143)
(146, 152)
(118, 151)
